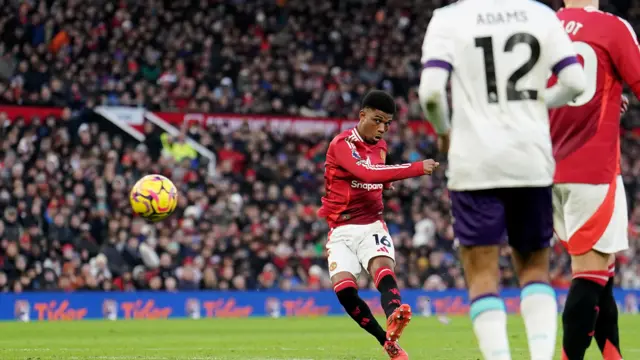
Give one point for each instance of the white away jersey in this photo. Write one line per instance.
(500, 53)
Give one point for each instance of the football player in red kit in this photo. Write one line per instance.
(590, 209)
(355, 175)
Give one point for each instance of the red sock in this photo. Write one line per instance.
(600, 277)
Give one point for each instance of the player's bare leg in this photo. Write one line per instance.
(346, 289)
(538, 305)
(607, 333)
(398, 314)
(590, 278)
(487, 310)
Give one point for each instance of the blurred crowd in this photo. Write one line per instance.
(294, 57)
(259, 56)
(67, 223)
(64, 180)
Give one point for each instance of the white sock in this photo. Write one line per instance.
(490, 325)
(539, 310)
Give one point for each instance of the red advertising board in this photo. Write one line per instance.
(280, 123)
(28, 112)
(227, 121)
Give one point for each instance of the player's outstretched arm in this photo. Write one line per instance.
(625, 54)
(366, 172)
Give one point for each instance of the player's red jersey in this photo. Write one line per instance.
(355, 175)
(586, 133)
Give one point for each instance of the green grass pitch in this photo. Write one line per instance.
(334, 338)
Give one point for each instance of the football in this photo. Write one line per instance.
(154, 198)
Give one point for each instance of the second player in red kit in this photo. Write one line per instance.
(355, 175)
(590, 208)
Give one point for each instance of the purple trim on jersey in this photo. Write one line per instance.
(564, 63)
(439, 64)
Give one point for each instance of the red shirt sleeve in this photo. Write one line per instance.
(625, 54)
(387, 185)
(346, 158)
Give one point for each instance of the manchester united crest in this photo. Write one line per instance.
(383, 156)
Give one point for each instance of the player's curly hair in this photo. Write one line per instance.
(379, 100)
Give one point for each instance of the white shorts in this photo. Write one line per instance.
(590, 216)
(351, 247)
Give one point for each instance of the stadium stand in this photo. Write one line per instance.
(64, 181)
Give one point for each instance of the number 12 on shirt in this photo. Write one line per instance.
(486, 44)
